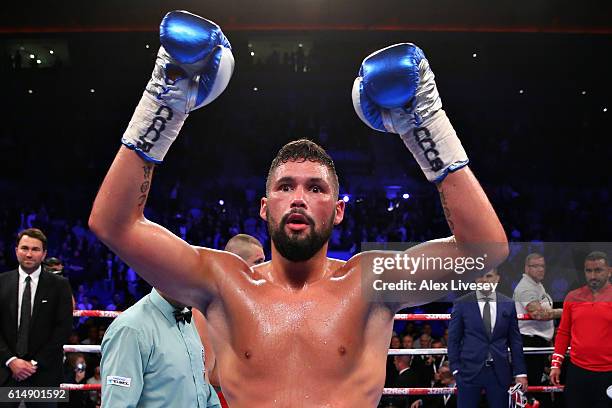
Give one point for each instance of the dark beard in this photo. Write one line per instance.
(294, 248)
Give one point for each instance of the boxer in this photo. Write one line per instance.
(295, 331)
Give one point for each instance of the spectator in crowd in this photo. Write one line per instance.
(95, 396)
(92, 336)
(407, 376)
(531, 297)
(432, 363)
(444, 338)
(586, 320)
(426, 334)
(424, 340)
(117, 304)
(33, 331)
(84, 304)
(391, 372)
(395, 342)
(82, 294)
(75, 374)
(407, 341)
(54, 265)
(74, 338)
(483, 326)
(424, 363)
(444, 378)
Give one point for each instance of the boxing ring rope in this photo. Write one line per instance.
(442, 316)
(81, 387)
(82, 348)
(386, 391)
(95, 313)
(86, 348)
(443, 351)
(399, 316)
(453, 390)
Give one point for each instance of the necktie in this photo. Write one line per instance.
(179, 315)
(24, 321)
(486, 317)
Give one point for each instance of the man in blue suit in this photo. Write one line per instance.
(483, 326)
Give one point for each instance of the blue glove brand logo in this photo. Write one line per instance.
(427, 145)
(157, 126)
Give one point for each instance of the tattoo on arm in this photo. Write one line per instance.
(446, 210)
(146, 183)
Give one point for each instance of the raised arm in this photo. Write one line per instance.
(193, 66)
(395, 92)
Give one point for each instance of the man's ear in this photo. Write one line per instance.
(340, 207)
(263, 208)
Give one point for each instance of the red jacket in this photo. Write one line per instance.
(586, 325)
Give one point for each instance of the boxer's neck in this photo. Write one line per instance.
(296, 275)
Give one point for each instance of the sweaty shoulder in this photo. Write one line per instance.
(339, 267)
(356, 264)
(225, 265)
(363, 261)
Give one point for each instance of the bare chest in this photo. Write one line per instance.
(320, 328)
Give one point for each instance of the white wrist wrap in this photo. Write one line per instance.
(433, 142)
(153, 128)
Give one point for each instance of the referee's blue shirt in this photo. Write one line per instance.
(149, 360)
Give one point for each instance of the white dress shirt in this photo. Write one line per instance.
(33, 285)
(35, 276)
(492, 303)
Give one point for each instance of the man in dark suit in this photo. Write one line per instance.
(444, 379)
(409, 375)
(483, 326)
(36, 320)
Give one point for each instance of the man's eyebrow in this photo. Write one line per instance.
(291, 179)
(285, 179)
(317, 180)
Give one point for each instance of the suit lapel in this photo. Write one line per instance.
(479, 314)
(13, 288)
(498, 313)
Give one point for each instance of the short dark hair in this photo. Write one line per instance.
(33, 233)
(533, 255)
(596, 256)
(53, 261)
(302, 150)
(242, 238)
(240, 245)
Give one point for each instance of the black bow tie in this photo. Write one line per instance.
(181, 315)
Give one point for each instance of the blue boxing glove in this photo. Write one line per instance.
(193, 67)
(395, 92)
